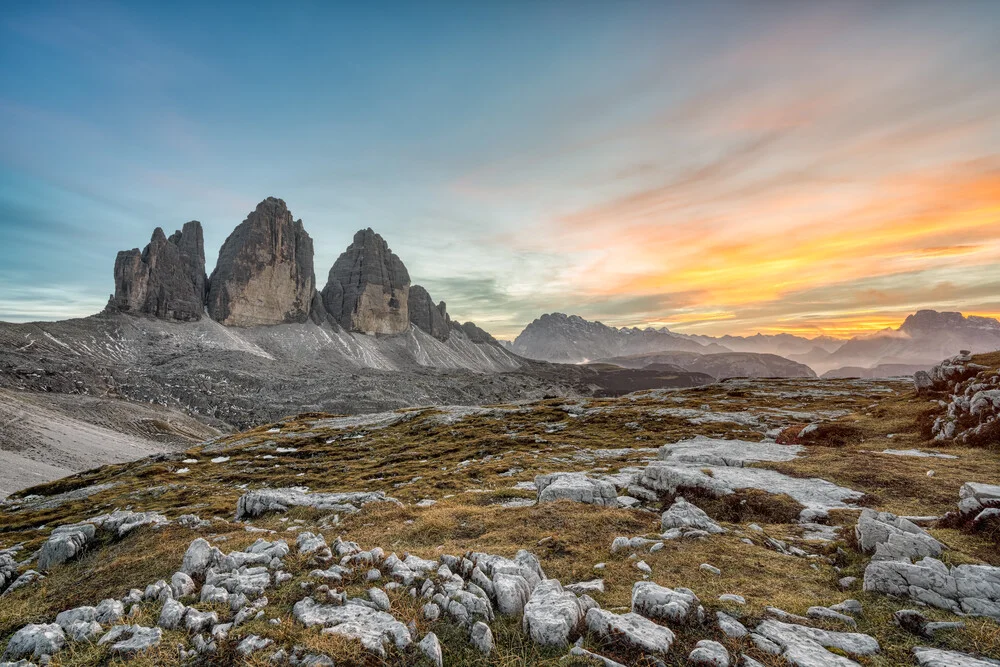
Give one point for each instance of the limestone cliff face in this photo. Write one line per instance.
(166, 279)
(368, 287)
(264, 275)
(424, 314)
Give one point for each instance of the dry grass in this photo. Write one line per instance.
(470, 467)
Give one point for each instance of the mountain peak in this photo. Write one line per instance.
(367, 289)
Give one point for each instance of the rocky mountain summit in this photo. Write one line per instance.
(368, 287)
(571, 339)
(264, 275)
(166, 279)
(923, 339)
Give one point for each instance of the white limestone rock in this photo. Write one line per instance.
(181, 584)
(172, 615)
(683, 514)
(893, 538)
(252, 644)
(576, 487)
(65, 543)
(936, 657)
(130, 640)
(702, 450)
(967, 589)
(633, 629)
(261, 501)
(552, 614)
(586, 587)
(482, 638)
(708, 653)
(803, 646)
(200, 555)
(34, 641)
(430, 646)
(730, 626)
(678, 605)
(373, 628)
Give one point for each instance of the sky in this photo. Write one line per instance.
(713, 167)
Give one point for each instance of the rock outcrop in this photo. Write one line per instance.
(368, 287)
(426, 315)
(166, 279)
(972, 413)
(264, 275)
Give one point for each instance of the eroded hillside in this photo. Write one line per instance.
(354, 538)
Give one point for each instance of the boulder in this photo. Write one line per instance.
(969, 589)
(199, 556)
(129, 640)
(730, 626)
(638, 632)
(264, 274)
(172, 615)
(894, 538)
(430, 646)
(708, 653)
(368, 287)
(181, 584)
(678, 605)
(577, 487)
(373, 628)
(552, 614)
(34, 641)
(65, 543)
(109, 611)
(482, 638)
(683, 514)
(165, 280)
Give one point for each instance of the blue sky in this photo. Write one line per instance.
(632, 162)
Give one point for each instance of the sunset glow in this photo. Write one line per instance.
(814, 169)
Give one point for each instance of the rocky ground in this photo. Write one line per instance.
(201, 377)
(774, 522)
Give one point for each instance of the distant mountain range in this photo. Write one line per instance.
(921, 341)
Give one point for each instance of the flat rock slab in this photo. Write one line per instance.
(817, 495)
(916, 453)
(935, 657)
(256, 503)
(373, 628)
(807, 647)
(635, 630)
(967, 589)
(720, 452)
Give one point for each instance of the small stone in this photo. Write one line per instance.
(711, 569)
(431, 647)
(252, 644)
(730, 626)
(482, 637)
(708, 653)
